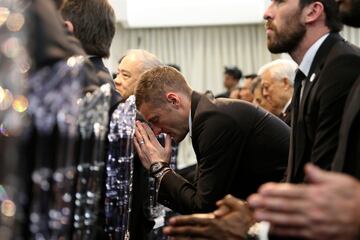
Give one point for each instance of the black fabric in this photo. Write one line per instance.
(49, 41)
(101, 71)
(295, 103)
(104, 77)
(316, 128)
(286, 115)
(348, 153)
(223, 95)
(188, 172)
(238, 148)
(140, 221)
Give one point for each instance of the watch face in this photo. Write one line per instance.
(156, 166)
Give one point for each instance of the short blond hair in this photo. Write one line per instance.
(154, 84)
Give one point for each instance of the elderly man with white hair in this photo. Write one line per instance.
(277, 78)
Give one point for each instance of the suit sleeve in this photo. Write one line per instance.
(219, 143)
(338, 77)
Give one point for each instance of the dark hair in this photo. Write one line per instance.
(251, 76)
(154, 84)
(331, 10)
(177, 67)
(94, 24)
(233, 71)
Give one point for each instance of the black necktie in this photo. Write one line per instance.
(299, 77)
(295, 101)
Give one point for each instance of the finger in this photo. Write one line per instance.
(278, 204)
(231, 202)
(195, 219)
(290, 232)
(141, 154)
(149, 131)
(138, 147)
(141, 132)
(285, 190)
(222, 211)
(168, 147)
(282, 219)
(218, 203)
(187, 231)
(316, 175)
(181, 238)
(138, 135)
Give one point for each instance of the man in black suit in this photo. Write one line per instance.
(335, 210)
(330, 200)
(348, 153)
(328, 66)
(237, 145)
(93, 23)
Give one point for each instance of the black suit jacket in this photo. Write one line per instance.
(332, 73)
(104, 77)
(223, 95)
(238, 147)
(286, 115)
(101, 71)
(347, 158)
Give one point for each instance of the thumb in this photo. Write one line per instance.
(316, 175)
(231, 202)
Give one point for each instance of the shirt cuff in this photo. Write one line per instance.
(260, 230)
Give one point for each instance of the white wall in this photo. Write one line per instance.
(175, 13)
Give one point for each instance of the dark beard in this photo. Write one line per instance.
(287, 41)
(352, 18)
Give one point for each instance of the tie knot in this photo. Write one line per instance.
(299, 77)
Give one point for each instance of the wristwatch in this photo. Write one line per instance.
(157, 167)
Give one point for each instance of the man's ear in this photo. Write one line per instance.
(313, 12)
(69, 26)
(286, 82)
(173, 99)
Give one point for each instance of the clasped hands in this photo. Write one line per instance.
(231, 220)
(148, 146)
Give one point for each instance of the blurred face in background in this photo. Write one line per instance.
(245, 91)
(260, 101)
(229, 81)
(235, 94)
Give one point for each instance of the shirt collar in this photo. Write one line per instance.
(286, 106)
(310, 55)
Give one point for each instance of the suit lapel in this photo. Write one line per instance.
(316, 67)
(310, 82)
